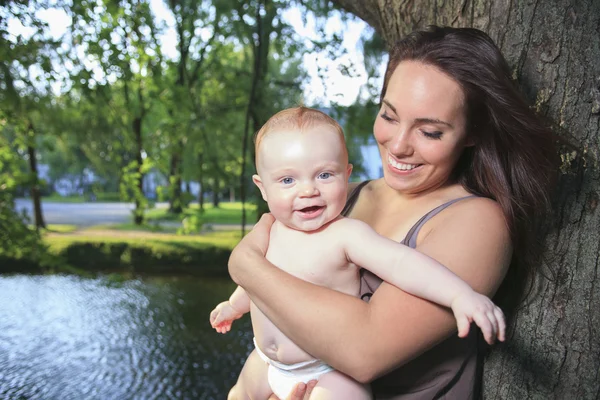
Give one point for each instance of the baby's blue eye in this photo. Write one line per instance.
(287, 181)
(325, 175)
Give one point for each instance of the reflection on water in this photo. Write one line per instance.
(65, 337)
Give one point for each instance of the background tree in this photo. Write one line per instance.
(118, 62)
(553, 48)
(26, 77)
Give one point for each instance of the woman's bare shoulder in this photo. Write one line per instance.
(469, 235)
(477, 210)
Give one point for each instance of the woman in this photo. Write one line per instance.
(467, 171)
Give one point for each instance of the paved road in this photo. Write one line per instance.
(80, 214)
(89, 214)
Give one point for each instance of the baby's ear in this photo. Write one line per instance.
(349, 171)
(258, 182)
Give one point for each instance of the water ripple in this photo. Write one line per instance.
(64, 337)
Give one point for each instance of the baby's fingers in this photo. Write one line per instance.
(483, 322)
(501, 324)
(463, 323)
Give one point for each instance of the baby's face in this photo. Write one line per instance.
(303, 176)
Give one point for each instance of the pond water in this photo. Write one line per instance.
(66, 337)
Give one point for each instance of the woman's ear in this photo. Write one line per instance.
(258, 182)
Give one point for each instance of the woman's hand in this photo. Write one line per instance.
(255, 243)
(302, 391)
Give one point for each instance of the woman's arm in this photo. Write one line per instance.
(420, 275)
(394, 327)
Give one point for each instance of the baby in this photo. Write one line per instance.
(303, 172)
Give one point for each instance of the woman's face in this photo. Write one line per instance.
(420, 128)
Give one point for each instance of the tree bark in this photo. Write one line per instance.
(35, 183)
(175, 201)
(138, 218)
(201, 181)
(264, 15)
(553, 48)
(216, 192)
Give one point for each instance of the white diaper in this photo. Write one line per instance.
(283, 377)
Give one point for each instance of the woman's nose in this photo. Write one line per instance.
(401, 143)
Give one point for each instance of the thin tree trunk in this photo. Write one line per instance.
(175, 204)
(553, 48)
(265, 12)
(139, 209)
(215, 197)
(35, 183)
(201, 181)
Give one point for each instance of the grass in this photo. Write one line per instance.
(163, 242)
(57, 228)
(60, 228)
(130, 226)
(100, 198)
(56, 198)
(226, 213)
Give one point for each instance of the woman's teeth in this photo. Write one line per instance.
(404, 167)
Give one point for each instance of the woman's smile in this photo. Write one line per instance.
(398, 166)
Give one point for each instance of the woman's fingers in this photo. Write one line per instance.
(265, 222)
(309, 388)
(261, 232)
(302, 391)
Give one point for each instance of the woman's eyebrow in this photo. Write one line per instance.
(433, 121)
(419, 120)
(387, 103)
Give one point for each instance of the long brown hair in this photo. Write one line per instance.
(513, 160)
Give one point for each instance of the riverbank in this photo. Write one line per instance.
(107, 250)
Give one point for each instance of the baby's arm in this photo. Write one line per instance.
(226, 312)
(421, 276)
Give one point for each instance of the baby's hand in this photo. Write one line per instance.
(223, 316)
(476, 307)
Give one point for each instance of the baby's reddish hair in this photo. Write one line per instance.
(298, 118)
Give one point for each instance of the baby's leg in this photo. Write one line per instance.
(335, 386)
(252, 384)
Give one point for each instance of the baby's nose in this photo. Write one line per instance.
(308, 189)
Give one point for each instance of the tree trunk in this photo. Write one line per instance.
(553, 48)
(35, 183)
(215, 193)
(265, 13)
(175, 203)
(138, 218)
(201, 181)
(35, 190)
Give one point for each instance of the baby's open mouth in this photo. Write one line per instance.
(310, 209)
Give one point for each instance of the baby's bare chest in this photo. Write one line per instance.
(317, 258)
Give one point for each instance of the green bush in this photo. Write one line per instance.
(146, 257)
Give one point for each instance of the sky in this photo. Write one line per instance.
(333, 87)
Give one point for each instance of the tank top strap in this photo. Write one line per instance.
(411, 237)
(352, 197)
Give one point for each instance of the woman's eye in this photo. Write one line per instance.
(287, 181)
(325, 175)
(386, 117)
(433, 135)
